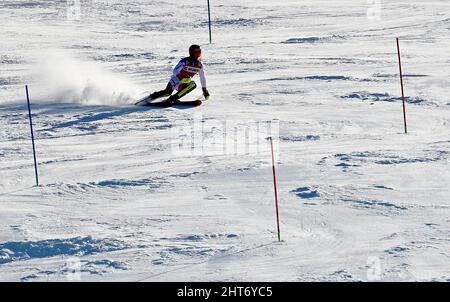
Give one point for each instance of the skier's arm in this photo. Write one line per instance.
(203, 81)
(201, 73)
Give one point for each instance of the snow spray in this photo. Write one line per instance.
(65, 77)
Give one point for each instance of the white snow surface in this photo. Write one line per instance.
(359, 200)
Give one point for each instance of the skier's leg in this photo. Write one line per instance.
(183, 89)
(166, 92)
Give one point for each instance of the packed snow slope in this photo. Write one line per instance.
(359, 199)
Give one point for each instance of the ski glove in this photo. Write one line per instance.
(205, 93)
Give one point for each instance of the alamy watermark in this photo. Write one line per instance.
(374, 10)
(73, 10)
(73, 269)
(76, 9)
(209, 137)
(374, 269)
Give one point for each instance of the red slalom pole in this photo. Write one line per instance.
(275, 188)
(401, 82)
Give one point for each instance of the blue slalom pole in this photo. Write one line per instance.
(209, 21)
(32, 137)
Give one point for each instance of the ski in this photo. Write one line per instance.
(165, 104)
(146, 100)
(189, 103)
(143, 101)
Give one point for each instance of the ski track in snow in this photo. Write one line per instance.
(115, 203)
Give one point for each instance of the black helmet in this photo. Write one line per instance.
(195, 51)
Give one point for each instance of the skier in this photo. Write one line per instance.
(181, 80)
